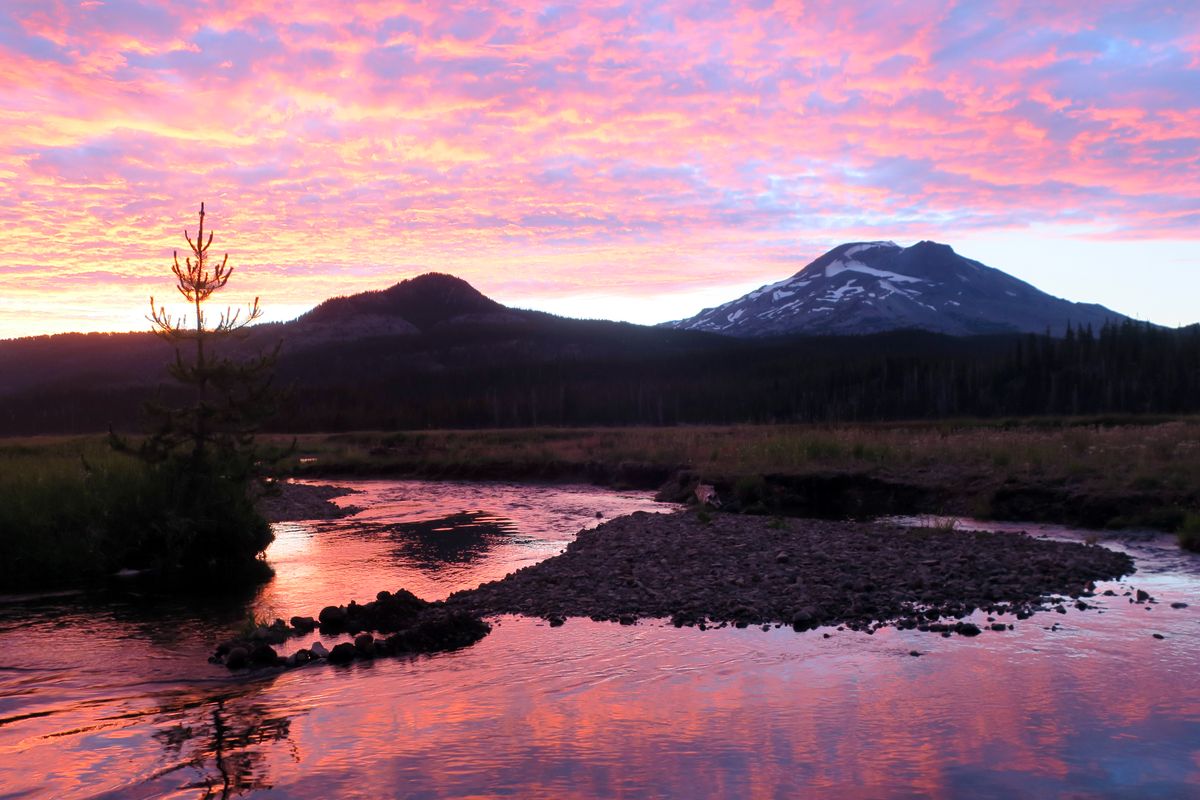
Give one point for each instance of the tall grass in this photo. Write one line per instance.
(59, 501)
(71, 510)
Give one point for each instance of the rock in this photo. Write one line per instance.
(439, 630)
(304, 624)
(999, 626)
(1142, 596)
(264, 655)
(237, 658)
(301, 656)
(556, 621)
(318, 650)
(1158, 636)
(399, 609)
(804, 619)
(967, 629)
(678, 488)
(364, 644)
(342, 653)
(914, 653)
(706, 495)
(333, 617)
(1179, 605)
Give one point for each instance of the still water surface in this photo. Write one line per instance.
(113, 697)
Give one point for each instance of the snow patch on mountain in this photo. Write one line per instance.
(858, 248)
(839, 266)
(849, 287)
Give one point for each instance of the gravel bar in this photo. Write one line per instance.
(749, 570)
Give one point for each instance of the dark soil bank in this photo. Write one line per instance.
(296, 501)
(805, 573)
(939, 490)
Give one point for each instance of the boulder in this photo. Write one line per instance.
(237, 658)
(967, 629)
(264, 655)
(332, 617)
(342, 653)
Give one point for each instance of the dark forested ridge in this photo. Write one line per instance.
(432, 352)
(1126, 368)
(543, 370)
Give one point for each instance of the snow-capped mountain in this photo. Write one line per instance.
(868, 287)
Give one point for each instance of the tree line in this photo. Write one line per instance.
(384, 384)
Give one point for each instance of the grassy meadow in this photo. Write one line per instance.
(1164, 454)
(1100, 472)
(71, 508)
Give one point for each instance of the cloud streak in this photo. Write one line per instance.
(622, 146)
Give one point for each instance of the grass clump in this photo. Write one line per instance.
(1189, 533)
(73, 511)
(751, 492)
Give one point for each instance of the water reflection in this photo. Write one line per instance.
(226, 744)
(213, 745)
(455, 539)
(113, 697)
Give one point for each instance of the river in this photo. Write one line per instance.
(112, 696)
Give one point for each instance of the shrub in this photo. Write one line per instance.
(750, 491)
(1189, 533)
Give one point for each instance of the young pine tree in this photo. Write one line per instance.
(201, 453)
(231, 397)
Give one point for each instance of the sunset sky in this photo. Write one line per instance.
(610, 159)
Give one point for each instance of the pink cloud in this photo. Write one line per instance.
(344, 146)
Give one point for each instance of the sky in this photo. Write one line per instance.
(626, 160)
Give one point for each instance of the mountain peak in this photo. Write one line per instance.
(930, 249)
(423, 301)
(870, 287)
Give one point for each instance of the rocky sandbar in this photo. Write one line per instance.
(805, 573)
